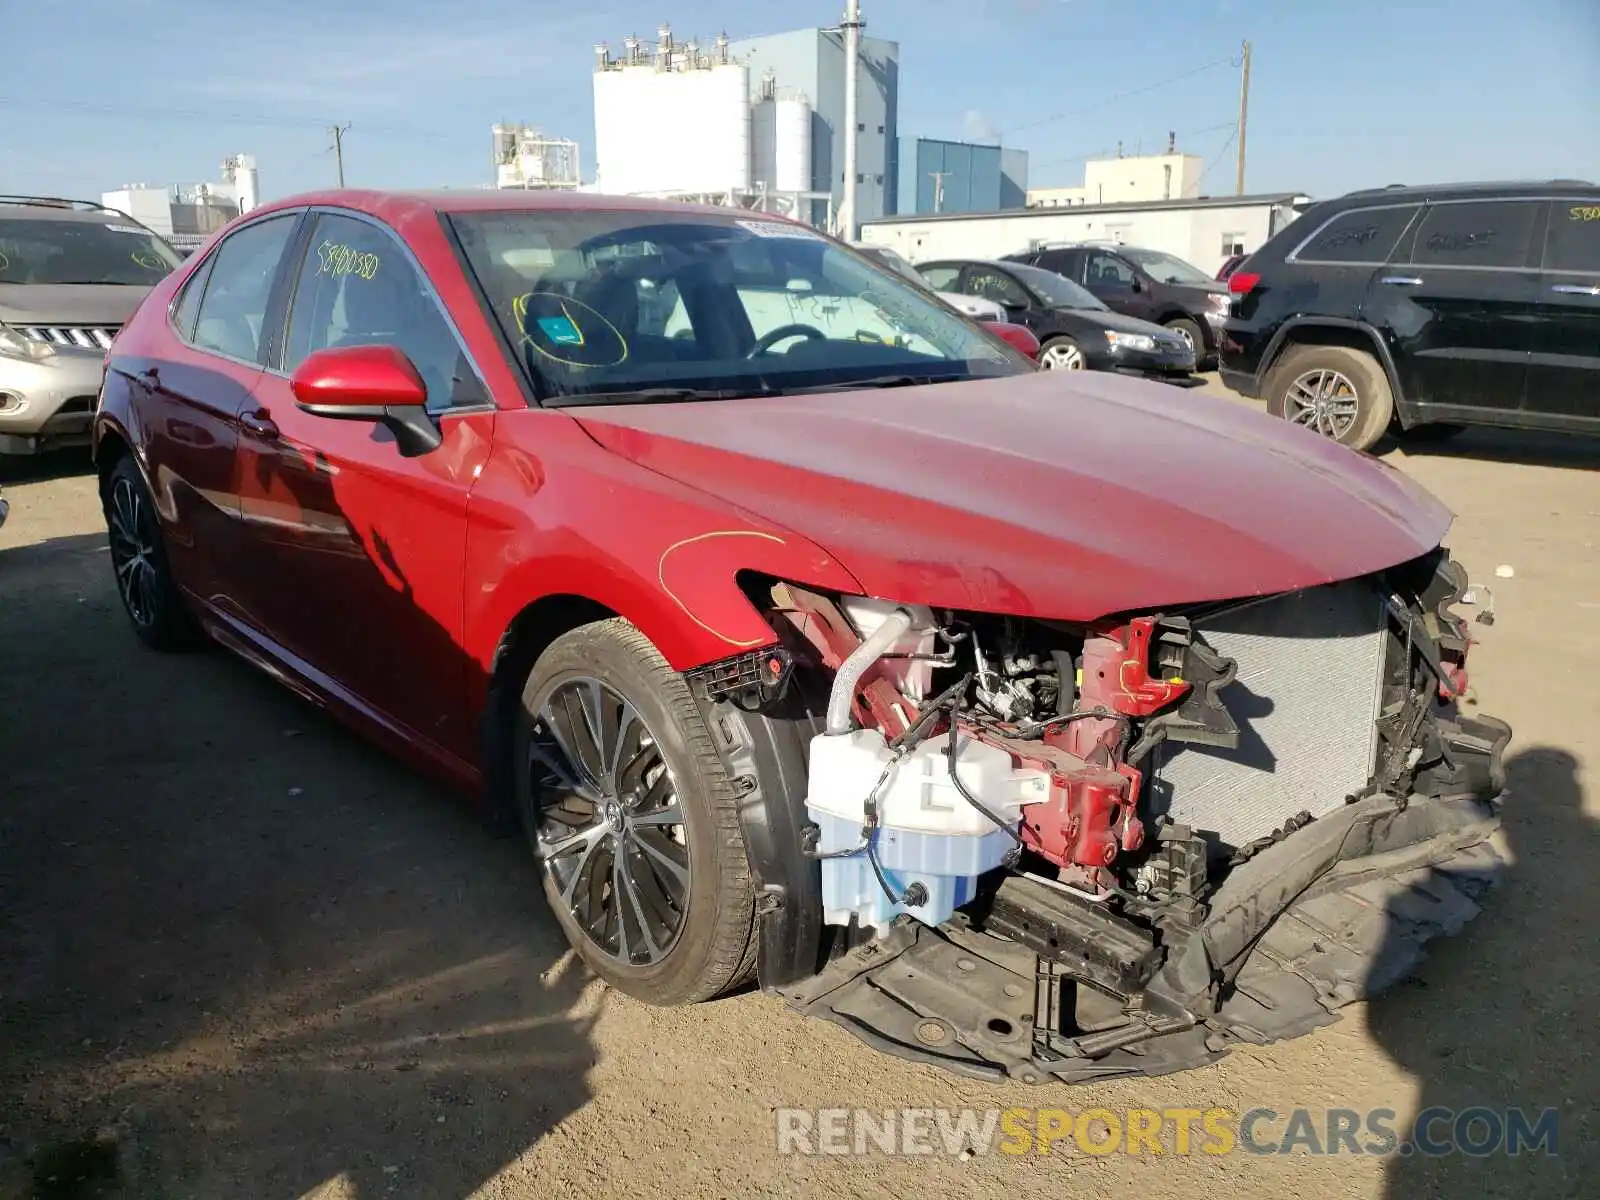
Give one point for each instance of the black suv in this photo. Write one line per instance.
(1148, 284)
(1426, 307)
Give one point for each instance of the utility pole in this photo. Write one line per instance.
(1244, 115)
(338, 132)
(851, 28)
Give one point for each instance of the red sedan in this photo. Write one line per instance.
(807, 628)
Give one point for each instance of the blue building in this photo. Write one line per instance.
(958, 177)
(808, 64)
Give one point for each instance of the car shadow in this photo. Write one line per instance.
(241, 951)
(1502, 1016)
(54, 464)
(1525, 447)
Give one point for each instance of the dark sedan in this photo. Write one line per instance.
(1076, 331)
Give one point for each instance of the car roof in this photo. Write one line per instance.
(1511, 189)
(400, 204)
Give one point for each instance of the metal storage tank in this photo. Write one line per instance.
(679, 124)
(792, 172)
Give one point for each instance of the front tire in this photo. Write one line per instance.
(633, 816)
(150, 596)
(1338, 392)
(1189, 331)
(1062, 354)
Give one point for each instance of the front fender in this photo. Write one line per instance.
(648, 548)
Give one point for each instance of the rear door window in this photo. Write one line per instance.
(1486, 233)
(941, 277)
(1062, 262)
(233, 310)
(1572, 244)
(1361, 236)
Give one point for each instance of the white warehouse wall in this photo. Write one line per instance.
(150, 206)
(1195, 234)
(683, 130)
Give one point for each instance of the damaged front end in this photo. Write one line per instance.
(1036, 850)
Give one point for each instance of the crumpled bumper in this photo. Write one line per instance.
(1336, 911)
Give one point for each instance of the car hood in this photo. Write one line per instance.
(1121, 322)
(69, 304)
(1068, 495)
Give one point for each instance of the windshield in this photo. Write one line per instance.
(35, 251)
(1057, 290)
(611, 304)
(1166, 268)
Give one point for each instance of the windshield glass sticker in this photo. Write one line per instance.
(151, 262)
(126, 229)
(337, 259)
(779, 229)
(568, 331)
(561, 331)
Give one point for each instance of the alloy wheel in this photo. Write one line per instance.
(1063, 356)
(133, 551)
(1323, 400)
(1188, 339)
(610, 834)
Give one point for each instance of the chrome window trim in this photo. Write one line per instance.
(1294, 255)
(1422, 205)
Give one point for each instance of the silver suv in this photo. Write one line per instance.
(71, 272)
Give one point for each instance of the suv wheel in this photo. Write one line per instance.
(634, 819)
(1190, 333)
(1338, 392)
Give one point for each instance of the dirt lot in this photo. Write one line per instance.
(258, 959)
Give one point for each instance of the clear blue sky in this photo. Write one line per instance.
(1345, 93)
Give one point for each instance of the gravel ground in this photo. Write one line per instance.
(243, 954)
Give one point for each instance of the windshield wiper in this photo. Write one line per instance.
(654, 395)
(877, 381)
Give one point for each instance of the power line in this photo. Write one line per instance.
(1110, 100)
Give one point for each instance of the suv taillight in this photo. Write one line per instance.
(1240, 282)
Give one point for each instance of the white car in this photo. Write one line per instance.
(975, 307)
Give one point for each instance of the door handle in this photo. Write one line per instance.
(149, 377)
(259, 423)
(1575, 289)
(1401, 280)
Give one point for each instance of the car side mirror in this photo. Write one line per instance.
(369, 383)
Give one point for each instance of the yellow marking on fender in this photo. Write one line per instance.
(661, 577)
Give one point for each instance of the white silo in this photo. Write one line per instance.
(792, 144)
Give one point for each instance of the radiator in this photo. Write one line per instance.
(1306, 702)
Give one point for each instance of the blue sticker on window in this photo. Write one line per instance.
(561, 331)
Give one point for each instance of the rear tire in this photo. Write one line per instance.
(150, 596)
(1341, 393)
(636, 827)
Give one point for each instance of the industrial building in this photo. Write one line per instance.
(958, 177)
(1203, 231)
(187, 214)
(525, 158)
(1134, 179)
(808, 65)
